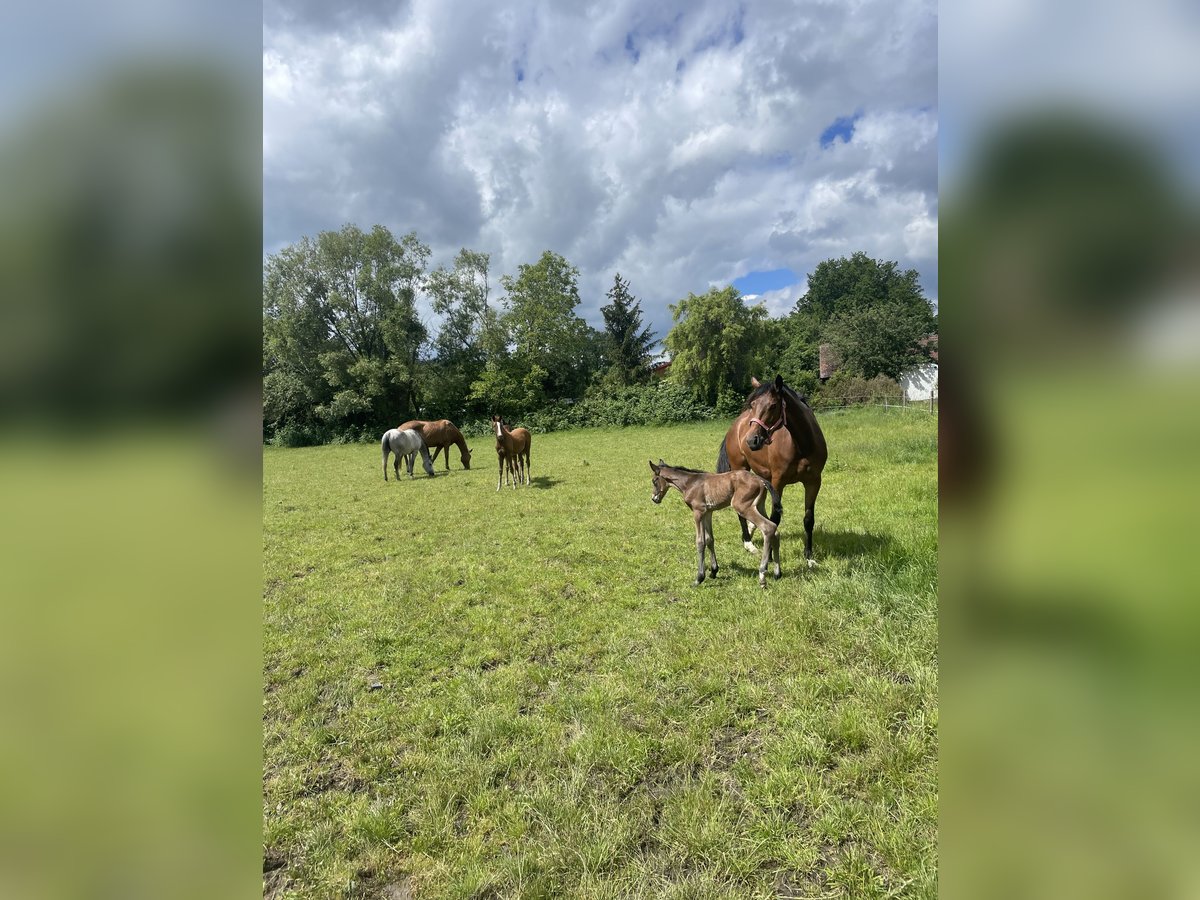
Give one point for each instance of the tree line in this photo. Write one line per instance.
(346, 354)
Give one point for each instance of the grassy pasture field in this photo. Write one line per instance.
(520, 694)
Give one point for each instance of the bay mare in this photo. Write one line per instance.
(439, 435)
(777, 437)
(512, 451)
(704, 491)
(405, 443)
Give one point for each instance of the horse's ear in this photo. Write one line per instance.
(754, 382)
(653, 467)
(778, 383)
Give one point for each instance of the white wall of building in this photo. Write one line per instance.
(920, 384)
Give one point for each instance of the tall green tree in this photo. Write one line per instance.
(871, 311)
(717, 343)
(460, 297)
(341, 336)
(627, 345)
(550, 353)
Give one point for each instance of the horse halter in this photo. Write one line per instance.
(754, 420)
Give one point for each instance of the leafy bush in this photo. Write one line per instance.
(293, 435)
(658, 403)
(844, 389)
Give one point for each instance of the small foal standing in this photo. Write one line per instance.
(705, 491)
(512, 452)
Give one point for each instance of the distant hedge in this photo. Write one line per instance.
(659, 403)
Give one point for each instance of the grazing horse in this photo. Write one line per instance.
(777, 437)
(439, 435)
(405, 443)
(703, 492)
(512, 451)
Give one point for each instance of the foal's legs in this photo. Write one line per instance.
(500, 478)
(712, 546)
(701, 540)
(768, 529)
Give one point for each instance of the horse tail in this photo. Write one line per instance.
(776, 501)
(723, 458)
(383, 445)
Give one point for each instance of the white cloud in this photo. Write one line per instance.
(519, 129)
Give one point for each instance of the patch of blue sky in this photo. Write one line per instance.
(842, 129)
(759, 282)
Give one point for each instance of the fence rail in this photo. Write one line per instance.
(930, 405)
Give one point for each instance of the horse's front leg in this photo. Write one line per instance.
(747, 533)
(811, 489)
(700, 543)
(500, 477)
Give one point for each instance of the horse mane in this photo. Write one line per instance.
(686, 469)
(763, 388)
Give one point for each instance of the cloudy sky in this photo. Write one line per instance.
(682, 144)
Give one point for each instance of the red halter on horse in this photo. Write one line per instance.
(791, 450)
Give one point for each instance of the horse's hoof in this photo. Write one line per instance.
(812, 563)
(749, 545)
(698, 582)
(778, 574)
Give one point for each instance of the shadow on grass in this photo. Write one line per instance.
(848, 544)
(851, 546)
(543, 482)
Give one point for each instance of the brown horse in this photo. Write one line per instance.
(778, 438)
(439, 435)
(703, 492)
(512, 451)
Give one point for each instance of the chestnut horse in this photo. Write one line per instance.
(512, 451)
(439, 435)
(777, 437)
(703, 492)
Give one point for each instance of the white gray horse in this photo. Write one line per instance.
(405, 443)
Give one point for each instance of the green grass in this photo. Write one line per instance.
(562, 714)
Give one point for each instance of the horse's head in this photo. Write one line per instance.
(497, 427)
(466, 456)
(768, 413)
(661, 484)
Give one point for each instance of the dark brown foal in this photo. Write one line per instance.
(704, 491)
